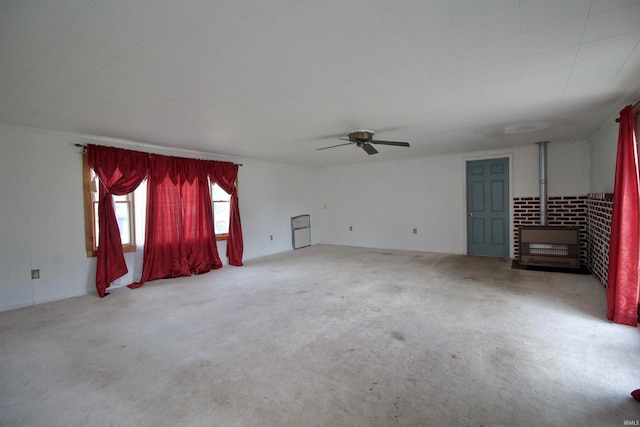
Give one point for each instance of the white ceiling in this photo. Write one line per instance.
(277, 79)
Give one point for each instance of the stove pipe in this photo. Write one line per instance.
(543, 181)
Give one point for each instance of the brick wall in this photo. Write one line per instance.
(568, 211)
(599, 208)
(526, 211)
(591, 213)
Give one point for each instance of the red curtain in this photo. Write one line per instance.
(624, 254)
(199, 234)
(225, 175)
(179, 235)
(120, 172)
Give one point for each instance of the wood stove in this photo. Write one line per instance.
(543, 246)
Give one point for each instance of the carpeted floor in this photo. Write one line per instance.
(326, 336)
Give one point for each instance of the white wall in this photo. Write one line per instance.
(568, 169)
(604, 146)
(384, 201)
(42, 213)
(41, 218)
(270, 194)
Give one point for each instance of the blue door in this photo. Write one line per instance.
(488, 207)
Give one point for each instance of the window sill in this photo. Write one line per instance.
(129, 249)
(126, 249)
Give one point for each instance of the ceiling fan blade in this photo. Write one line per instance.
(396, 143)
(369, 149)
(333, 146)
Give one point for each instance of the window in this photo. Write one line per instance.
(220, 200)
(131, 221)
(124, 208)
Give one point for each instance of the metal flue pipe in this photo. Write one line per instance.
(542, 150)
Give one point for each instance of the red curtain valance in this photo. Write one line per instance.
(179, 233)
(180, 169)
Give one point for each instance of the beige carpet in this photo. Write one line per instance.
(326, 336)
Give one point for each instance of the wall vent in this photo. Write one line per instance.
(301, 231)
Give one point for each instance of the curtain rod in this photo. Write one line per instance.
(634, 109)
(84, 151)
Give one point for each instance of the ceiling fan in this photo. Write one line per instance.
(364, 138)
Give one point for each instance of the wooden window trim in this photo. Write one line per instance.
(88, 208)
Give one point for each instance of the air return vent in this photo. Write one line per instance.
(301, 231)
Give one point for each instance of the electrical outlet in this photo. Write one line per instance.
(35, 274)
(350, 228)
(271, 237)
(415, 231)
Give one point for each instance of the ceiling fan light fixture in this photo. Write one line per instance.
(360, 135)
(363, 138)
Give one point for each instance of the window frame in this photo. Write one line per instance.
(225, 236)
(91, 244)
